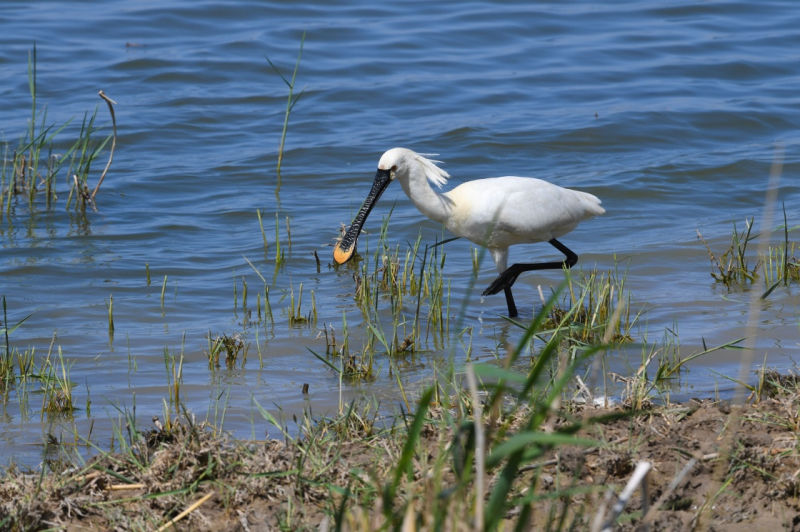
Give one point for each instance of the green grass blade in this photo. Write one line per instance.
(404, 463)
(326, 361)
(519, 442)
(488, 371)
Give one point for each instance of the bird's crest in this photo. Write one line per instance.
(435, 175)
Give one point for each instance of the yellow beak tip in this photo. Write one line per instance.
(340, 256)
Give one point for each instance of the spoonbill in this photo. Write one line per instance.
(495, 213)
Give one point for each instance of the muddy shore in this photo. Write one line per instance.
(188, 477)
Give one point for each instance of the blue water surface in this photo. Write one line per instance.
(672, 113)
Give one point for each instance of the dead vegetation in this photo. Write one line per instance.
(333, 475)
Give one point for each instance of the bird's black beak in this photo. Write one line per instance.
(347, 245)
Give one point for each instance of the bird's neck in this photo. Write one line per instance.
(430, 202)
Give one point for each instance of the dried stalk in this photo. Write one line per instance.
(123, 487)
(186, 512)
(110, 103)
(638, 478)
(480, 447)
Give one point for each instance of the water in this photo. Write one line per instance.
(670, 114)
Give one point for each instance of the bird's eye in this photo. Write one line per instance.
(392, 171)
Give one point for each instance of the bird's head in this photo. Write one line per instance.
(387, 171)
(396, 163)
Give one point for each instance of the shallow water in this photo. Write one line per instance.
(670, 114)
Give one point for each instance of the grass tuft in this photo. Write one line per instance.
(731, 267)
(595, 308)
(31, 170)
(779, 265)
(233, 346)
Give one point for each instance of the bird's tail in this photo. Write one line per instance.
(591, 203)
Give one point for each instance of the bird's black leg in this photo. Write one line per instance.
(512, 308)
(506, 279)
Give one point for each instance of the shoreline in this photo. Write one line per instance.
(337, 473)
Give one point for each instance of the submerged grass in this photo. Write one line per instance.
(732, 265)
(291, 101)
(174, 371)
(19, 371)
(56, 386)
(352, 366)
(7, 375)
(779, 265)
(660, 368)
(30, 170)
(402, 295)
(295, 313)
(233, 345)
(595, 305)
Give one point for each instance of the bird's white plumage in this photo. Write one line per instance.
(496, 212)
(502, 211)
(404, 160)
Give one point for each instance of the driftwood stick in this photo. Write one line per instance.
(87, 476)
(638, 478)
(186, 512)
(110, 103)
(122, 487)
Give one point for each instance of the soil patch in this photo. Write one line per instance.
(703, 475)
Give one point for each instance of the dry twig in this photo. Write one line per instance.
(110, 103)
(186, 512)
(122, 487)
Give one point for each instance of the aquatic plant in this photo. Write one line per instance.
(6, 360)
(232, 344)
(779, 265)
(731, 266)
(661, 366)
(295, 314)
(267, 307)
(353, 366)
(110, 305)
(412, 284)
(291, 101)
(56, 386)
(163, 292)
(595, 308)
(86, 155)
(280, 253)
(33, 167)
(263, 234)
(174, 372)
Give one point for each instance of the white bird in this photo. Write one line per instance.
(496, 212)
